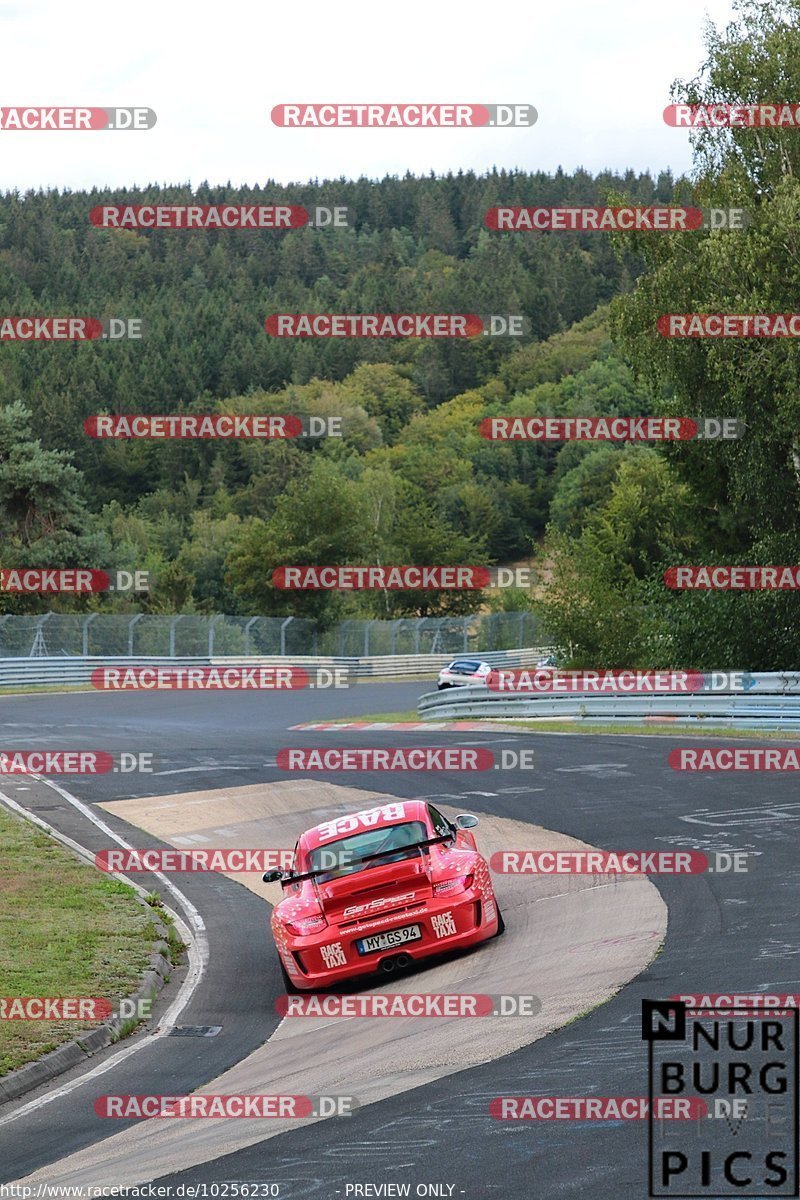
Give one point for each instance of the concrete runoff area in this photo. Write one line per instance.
(570, 941)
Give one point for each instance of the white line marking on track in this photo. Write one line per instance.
(590, 767)
(196, 938)
(520, 791)
(191, 770)
(488, 742)
(774, 814)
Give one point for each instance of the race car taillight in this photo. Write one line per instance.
(303, 926)
(459, 883)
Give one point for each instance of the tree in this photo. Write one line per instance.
(581, 490)
(321, 520)
(43, 515)
(385, 394)
(597, 600)
(748, 491)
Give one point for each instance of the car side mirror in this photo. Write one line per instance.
(466, 821)
(274, 876)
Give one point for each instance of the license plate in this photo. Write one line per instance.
(392, 937)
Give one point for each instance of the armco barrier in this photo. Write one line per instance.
(772, 701)
(395, 666)
(44, 672)
(65, 671)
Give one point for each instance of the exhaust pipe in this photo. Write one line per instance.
(394, 963)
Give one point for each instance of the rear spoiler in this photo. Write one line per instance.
(287, 877)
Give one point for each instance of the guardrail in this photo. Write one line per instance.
(43, 672)
(66, 671)
(395, 666)
(772, 701)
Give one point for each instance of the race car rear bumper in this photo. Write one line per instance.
(446, 923)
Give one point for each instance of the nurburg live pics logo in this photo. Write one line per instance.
(742, 1061)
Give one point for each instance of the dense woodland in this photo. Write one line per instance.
(411, 480)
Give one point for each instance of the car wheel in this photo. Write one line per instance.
(501, 925)
(442, 686)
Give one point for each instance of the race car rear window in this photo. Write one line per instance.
(465, 667)
(339, 856)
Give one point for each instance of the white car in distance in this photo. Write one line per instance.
(463, 671)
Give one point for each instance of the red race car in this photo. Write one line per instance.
(377, 890)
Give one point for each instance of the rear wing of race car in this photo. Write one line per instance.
(287, 877)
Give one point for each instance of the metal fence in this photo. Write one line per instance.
(190, 635)
(772, 701)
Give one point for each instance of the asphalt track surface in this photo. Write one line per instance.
(727, 933)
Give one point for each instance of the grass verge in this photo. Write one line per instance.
(673, 730)
(65, 930)
(175, 947)
(51, 688)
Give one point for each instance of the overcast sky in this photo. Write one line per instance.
(598, 73)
